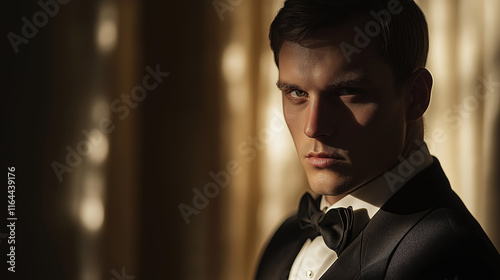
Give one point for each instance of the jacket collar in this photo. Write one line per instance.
(368, 255)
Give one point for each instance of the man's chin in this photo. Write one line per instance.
(331, 186)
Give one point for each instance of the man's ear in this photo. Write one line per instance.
(419, 87)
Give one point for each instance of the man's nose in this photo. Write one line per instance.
(318, 119)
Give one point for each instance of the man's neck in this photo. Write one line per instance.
(332, 199)
(414, 137)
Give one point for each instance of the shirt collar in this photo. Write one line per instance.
(371, 196)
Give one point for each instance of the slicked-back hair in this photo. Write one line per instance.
(403, 40)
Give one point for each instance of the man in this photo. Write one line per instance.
(355, 88)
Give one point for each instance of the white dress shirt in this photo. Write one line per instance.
(315, 257)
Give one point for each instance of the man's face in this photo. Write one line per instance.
(347, 120)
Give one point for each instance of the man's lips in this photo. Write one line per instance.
(323, 160)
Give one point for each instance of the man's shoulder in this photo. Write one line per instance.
(446, 242)
(447, 216)
(444, 238)
(290, 223)
(450, 226)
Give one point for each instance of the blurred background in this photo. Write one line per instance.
(149, 142)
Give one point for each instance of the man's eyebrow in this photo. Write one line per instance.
(282, 85)
(347, 83)
(333, 86)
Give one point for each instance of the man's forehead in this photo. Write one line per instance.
(309, 52)
(330, 57)
(342, 30)
(326, 66)
(342, 36)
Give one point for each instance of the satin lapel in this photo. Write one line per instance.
(281, 251)
(379, 241)
(367, 257)
(348, 265)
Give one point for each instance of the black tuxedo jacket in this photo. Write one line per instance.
(424, 231)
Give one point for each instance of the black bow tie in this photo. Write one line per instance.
(335, 225)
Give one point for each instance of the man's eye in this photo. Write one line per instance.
(297, 93)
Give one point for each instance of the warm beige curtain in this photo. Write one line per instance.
(462, 122)
(95, 217)
(271, 178)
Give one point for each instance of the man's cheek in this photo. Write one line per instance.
(294, 126)
(298, 138)
(367, 114)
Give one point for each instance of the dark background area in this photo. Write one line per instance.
(45, 88)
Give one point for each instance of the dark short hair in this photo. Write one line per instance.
(403, 40)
